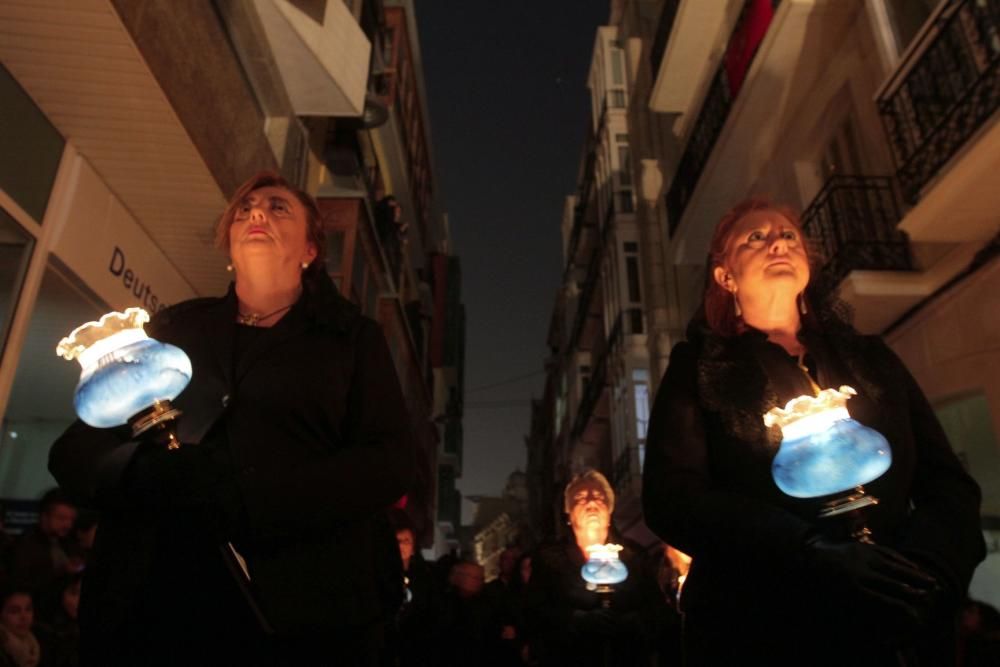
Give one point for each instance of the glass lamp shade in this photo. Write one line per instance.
(823, 451)
(603, 567)
(124, 370)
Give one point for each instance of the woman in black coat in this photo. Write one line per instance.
(263, 536)
(770, 582)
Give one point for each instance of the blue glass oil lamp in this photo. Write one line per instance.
(826, 453)
(603, 569)
(127, 377)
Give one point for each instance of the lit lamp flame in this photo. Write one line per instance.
(603, 567)
(681, 564)
(125, 372)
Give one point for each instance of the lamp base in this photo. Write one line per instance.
(849, 508)
(160, 416)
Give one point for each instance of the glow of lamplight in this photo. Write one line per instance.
(823, 451)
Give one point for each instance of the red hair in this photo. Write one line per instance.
(720, 311)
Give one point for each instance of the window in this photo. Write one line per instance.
(969, 426)
(625, 204)
(41, 399)
(30, 146)
(15, 251)
(617, 99)
(843, 153)
(640, 380)
(632, 275)
(624, 166)
(335, 256)
(617, 67)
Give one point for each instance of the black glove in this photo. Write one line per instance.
(171, 479)
(879, 584)
(593, 622)
(605, 623)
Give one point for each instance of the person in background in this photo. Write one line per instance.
(770, 582)
(506, 617)
(461, 620)
(80, 545)
(415, 620)
(58, 628)
(18, 645)
(978, 635)
(271, 515)
(570, 623)
(40, 556)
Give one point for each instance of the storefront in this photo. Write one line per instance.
(71, 250)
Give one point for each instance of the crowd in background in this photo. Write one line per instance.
(537, 611)
(40, 579)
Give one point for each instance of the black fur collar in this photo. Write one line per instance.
(733, 384)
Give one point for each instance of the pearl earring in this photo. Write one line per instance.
(305, 265)
(229, 267)
(736, 304)
(802, 304)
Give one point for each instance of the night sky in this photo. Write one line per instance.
(506, 88)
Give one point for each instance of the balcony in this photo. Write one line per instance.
(322, 55)
(690, 38)
(939, 112)
(851, 226)
(586, 300)
(630, 322)
(583, 193)
(775, 55)
(712, 118)
(598, 381)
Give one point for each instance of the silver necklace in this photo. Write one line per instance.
(253, 319)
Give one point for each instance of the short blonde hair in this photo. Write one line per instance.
(589, 476)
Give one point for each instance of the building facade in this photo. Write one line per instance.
(123, 139)
(595, 408)
(878, 119)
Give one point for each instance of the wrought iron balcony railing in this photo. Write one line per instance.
(598, 380)
(942, 94)
(663, 28)
(584, 189)
(851, 225)
(586, 295)
(711, 119)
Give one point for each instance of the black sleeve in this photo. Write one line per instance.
(943, 529)
(372, 470)
(89, 462)
(682, 502)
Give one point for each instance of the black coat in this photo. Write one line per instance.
(708, 490)
(311, 424)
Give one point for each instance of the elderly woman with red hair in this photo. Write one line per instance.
(770, 582)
